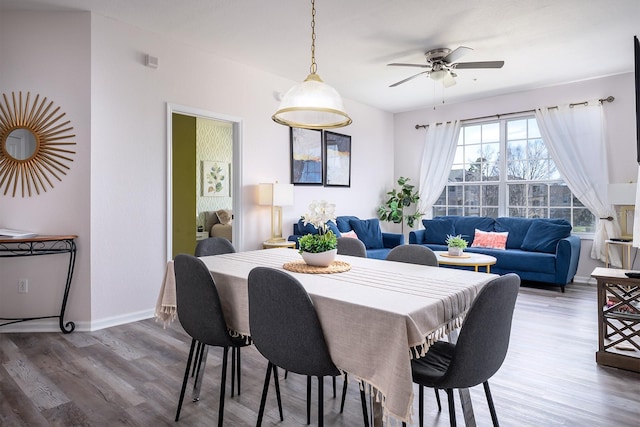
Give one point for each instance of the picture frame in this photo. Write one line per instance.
(337, 154)
(215, 178)
(307, 161)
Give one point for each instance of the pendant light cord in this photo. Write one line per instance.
(314, 67)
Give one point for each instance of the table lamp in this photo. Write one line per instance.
(624, 195)
(275, 195)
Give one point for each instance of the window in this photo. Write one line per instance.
(522, 182)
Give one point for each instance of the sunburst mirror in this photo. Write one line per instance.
(33, 144)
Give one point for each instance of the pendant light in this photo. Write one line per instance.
(312, 104)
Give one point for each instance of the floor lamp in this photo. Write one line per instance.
(275, 195)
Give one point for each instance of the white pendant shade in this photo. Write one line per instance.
(312, 104)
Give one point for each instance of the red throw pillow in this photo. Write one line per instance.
(490, 239)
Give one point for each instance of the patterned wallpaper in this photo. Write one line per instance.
(214, 147)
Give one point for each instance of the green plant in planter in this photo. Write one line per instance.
(456, 241)
(393, 208)
(319, 214)
(316, 243)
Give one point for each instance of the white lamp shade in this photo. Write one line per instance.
(275, 194)
(622, 194)
(312, 104)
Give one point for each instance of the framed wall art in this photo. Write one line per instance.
(215, 178)
(306, 156)
(337, 154)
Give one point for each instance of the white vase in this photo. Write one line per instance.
(455, 251)
(321, 259)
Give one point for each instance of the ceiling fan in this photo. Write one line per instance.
(441, 63)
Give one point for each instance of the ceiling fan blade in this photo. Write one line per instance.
(448, 80)
(456, 54)
(409, 78)
(485, 64)
(399, 64)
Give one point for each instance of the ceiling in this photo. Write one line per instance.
(543, 42)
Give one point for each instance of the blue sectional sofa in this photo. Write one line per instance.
(378, 244)
(540, 249)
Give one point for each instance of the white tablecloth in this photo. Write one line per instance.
(372, 316)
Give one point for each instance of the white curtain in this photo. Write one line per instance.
(575, 139)
(636, 216)
(437, 158)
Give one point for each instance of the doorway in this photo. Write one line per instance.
(189, 193)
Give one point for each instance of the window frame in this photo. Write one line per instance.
(503, 182)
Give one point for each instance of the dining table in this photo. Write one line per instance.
(376, 315)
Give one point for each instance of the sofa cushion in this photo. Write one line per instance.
(517, 228)
(343, 222)
(368, 231)
(543, 235)
(224, 216)
(467, 225)
(437, 230)
(490, 239)
(350, 234)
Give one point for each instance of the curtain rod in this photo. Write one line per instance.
(607, 99)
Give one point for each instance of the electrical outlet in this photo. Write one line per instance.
(23, 286)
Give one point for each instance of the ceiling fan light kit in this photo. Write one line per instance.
(441, 62)
(312, 104)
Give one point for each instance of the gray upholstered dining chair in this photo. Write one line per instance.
(286, 330)
(413, 254)
(214, 246)
(207, 247)
(351, 246)
(479, 352)
(200, 315)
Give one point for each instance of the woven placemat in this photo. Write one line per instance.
(456, 256)
(300, 266)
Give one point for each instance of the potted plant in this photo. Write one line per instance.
(393, 209)
(319, 249)
(455, 244)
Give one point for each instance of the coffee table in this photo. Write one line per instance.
(467, 259)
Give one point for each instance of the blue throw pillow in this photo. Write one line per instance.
(333, 227)
(343, 222)
(543, 236)
(437, 229)
(517, 228)
(368, 231)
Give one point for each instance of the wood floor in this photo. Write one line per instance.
(130, 375)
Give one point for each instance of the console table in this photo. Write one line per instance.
(43, 245)
(618, 319)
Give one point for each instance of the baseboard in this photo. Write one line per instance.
(52, 325)
(582, 279)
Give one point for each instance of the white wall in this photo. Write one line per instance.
(121, 118)
(50, 59)
(619, 116)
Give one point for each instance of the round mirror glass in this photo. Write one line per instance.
(20, 144)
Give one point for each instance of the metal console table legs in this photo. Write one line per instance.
(43, 245)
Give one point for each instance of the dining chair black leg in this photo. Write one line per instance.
(233, 369)
(452, 408)
(421, 404)
(195, 362)
(438, 399)
(492, 409)
(186, 378)
(200, 359)
(265, 389)
(334, 386)
(363, 401)
(320, 401)
(238, 365)
(344, 393)
(223, 385)
(308, 400)
(277, 381)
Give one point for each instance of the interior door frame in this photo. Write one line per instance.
(236, 204)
